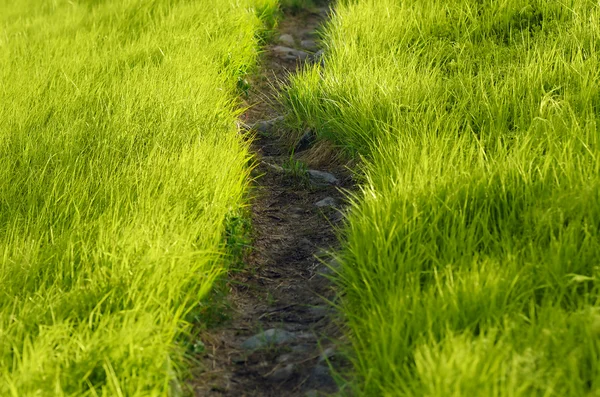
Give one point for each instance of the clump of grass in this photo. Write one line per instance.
(470, 254)
(215, 308)
(295, 170)
(238, 228)
(119, 163)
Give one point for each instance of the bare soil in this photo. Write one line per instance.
(282, 286)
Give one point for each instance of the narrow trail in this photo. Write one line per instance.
(281, 339)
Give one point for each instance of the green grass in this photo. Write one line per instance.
(296, 171)
(120, 165)
(470, 258)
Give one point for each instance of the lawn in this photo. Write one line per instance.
(120, 164)
(470, 255)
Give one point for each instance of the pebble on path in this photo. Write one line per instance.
(326, 202)
(309, 45)
(266, 126)
(267, 338)
(287, 40)
(289, 54)
(323, 178)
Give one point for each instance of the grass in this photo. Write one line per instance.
(120, 168)
(470, 257)
(296, 170)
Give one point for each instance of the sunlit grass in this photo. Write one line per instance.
(470, 257)
(120, 163)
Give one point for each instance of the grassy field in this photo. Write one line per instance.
(120, 164)
(471, 254)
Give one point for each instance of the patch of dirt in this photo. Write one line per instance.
(282, 286)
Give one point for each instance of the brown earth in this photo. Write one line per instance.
(282, 286)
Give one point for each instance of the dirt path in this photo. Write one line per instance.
(282, 328)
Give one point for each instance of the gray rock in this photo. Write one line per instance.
(287, 40)
(298, 212)
(320, 378)
(307, 336)
(305, 141)
(335, 264)
(284, 358)
(331, 269)
(319, 58)
(325, 271)
(309, 45)
(311, 393)
(266, 126)
(267, 338)
(322, 178)
(320, 311)
(274, 167)
(303, 348)
(323, 253)
(282, 374)
(326, 202)
(289, 54)
(327, 354)
(336, 217)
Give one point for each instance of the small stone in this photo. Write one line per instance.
(335, 264)
(331, 269)
(274, 167)
(297, 212)
(323, 253)
(266, 126)
(326, 202)
(302, 349)
(325, 271)
(284, 358)
(327, 354)
(309, 45)
(305, 141)
(311, 393)
(319, 311)
(336, 217)
(282, 374)
(320, 378)
(267, 338)
(289, 54)
(318, 58)
(307, 336)
(323, 178)
(287, 40)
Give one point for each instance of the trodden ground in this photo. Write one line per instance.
(282, 337)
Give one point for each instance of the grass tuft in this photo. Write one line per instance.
(470, 253)
(120, 162)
